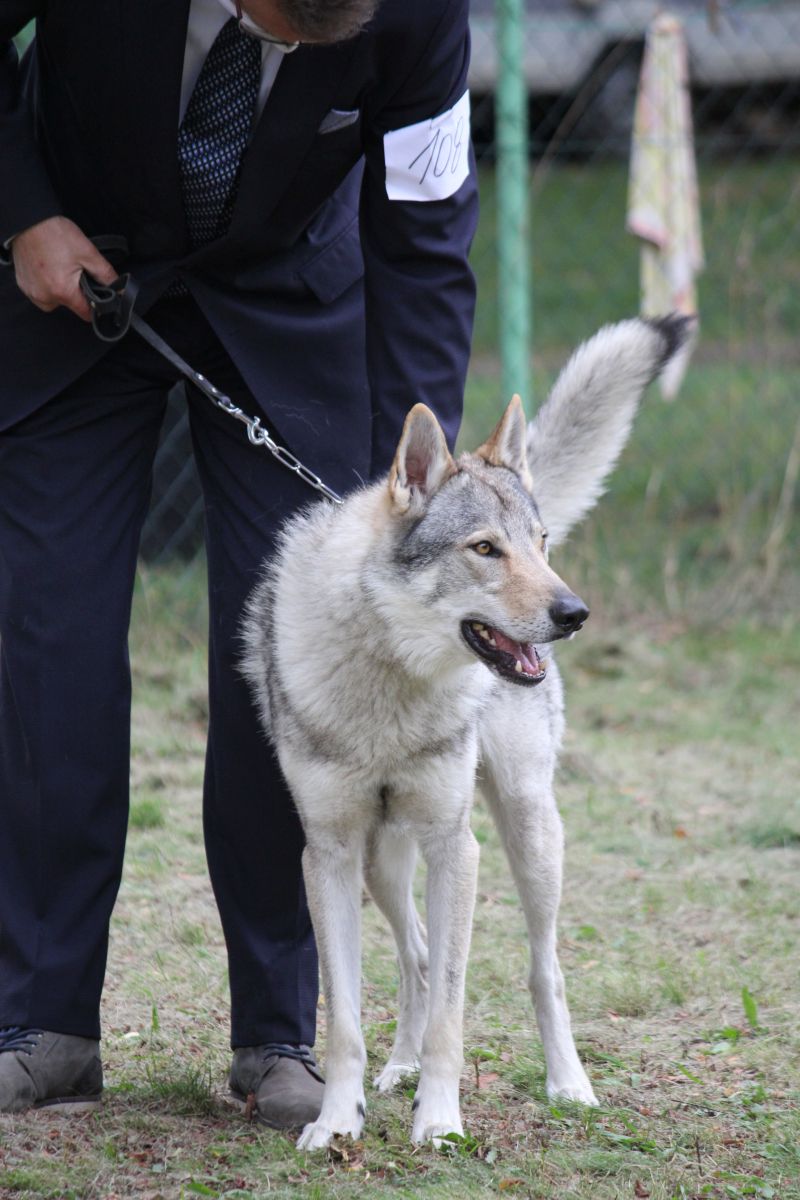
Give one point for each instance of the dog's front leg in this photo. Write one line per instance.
(518, 789)
(452, 861)
(332, 869)
(531, 831)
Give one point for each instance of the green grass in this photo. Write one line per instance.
(187, 1091)
(146, 813)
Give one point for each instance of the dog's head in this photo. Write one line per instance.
(469, 536)
(472, 548)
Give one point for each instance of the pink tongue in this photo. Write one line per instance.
(524, 654)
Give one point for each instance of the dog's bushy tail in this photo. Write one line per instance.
(580, 430)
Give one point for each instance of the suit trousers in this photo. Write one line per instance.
(75, 479)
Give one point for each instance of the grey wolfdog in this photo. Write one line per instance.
(395, 643)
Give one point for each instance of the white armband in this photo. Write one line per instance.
(429, 160)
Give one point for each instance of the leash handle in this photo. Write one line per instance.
(112, 303)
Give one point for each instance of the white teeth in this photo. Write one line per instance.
(476, 625)
(485, 635)
(518, 667)
(492, 642)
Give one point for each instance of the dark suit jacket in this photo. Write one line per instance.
(340, 307)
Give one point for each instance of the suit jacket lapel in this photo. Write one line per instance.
(304, 89)
(153, 39)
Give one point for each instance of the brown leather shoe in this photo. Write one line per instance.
(39, 1069)
(283, 1080)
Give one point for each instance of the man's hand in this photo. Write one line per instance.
(48, 260)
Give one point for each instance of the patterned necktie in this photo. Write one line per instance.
(215, 130)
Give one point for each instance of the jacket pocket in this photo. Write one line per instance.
(336, 267)
(339, 118)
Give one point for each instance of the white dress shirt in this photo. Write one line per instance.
(206, 18)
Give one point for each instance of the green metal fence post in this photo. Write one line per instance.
(513, 220)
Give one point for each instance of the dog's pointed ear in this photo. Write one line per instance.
(422, 462)
(507, 445)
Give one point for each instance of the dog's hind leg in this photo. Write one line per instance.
(391, 859)
(517, 784)
(452, 860)
(332, 868)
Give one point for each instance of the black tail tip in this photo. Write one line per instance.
(674, 330)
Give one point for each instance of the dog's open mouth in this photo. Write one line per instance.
(518, 662)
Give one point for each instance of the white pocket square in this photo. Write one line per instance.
(339, 118)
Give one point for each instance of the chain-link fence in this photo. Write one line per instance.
(731, 430)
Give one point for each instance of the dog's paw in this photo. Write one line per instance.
(578, 1090)
(393, 1074)
(436, 1114)
(435, 1131)
(315, 1136)
(319, 1134)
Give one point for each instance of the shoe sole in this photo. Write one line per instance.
(66, 1106)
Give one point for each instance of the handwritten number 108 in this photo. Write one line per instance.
(442, 153)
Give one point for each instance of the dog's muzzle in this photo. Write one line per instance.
(518, 662)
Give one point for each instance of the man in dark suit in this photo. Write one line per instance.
(316, 272)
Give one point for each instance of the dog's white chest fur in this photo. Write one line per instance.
(362, 688)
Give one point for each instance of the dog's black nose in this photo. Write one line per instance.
(568, 612)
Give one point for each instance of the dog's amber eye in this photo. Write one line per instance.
(484, 548)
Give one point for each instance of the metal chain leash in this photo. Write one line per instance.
(259, 436)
